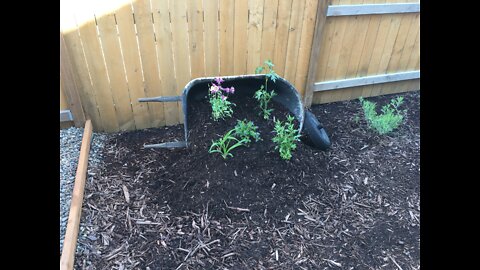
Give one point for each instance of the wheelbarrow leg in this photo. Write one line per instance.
(180, 144)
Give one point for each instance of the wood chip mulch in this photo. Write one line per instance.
(356, 206)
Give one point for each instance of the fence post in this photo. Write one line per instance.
(69, 85)
(317, 39)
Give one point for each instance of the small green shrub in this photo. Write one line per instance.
(223, 146)
(285, 137)
(246, 130)
(390, 119)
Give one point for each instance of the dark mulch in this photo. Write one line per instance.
(356, 206)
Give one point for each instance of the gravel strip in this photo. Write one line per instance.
(70, 143)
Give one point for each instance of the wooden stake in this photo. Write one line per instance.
(71, 234)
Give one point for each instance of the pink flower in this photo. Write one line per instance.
(224, 97)
(213, 89)
(219, 80)
(232, 90)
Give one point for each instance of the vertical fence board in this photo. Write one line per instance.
(148, 55)
(405, 25)
(281, 35)
(325, 46)
(338, 71)
(413, 62)
(346, 51)
(164, 43)
(409, 44)
(293, 44)
(212, 64)
(354, 34)
(81, 75)
(269, 29)
(387, 50)
(69, 95)
(318, 37)
(308, 30)
(133, 66)
(254, 39)
(334, 55)
(240, 38)
(114, 63)
(226, 36)
(195, 31)
(377, 49)
(97, 70)
(355, 58)
(181, 51)
(63, 99)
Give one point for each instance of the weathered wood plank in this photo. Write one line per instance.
(227, 8)
(212, 64)
(369, 9)
(148, 55)
(71, 233)
(178, 11)
(254, 40)
(164, 44)
(68, 85)
(315, 52)
(133, 65)
(240, 44)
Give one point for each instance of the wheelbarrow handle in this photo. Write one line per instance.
(161, 99)
(167, 145)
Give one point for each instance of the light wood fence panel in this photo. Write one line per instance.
(122, 50)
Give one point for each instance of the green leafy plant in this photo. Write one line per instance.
(221, 107)
(246, 130)
(262, 95)
(223, 146)
(390, 119)
(285, 137)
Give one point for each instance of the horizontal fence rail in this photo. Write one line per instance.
(361, 81)
(369, 9)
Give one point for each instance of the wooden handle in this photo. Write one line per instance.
(161, 99)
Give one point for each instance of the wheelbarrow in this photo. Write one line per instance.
(287, 96)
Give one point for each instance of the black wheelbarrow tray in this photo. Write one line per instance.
(287, 96)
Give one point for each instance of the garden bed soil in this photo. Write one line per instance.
(356, 206)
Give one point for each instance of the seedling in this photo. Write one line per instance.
(223, 146)
(262, 95)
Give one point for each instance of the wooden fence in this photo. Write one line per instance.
(367, 48)
(121, 50)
